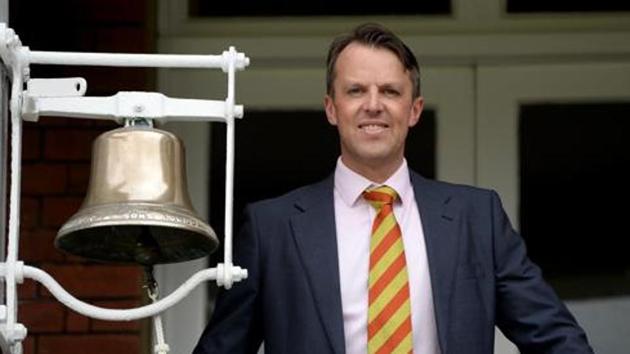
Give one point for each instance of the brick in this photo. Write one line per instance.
(42, 317)
(57, 210)
(31, 142)
(99, 326)
(29, 213)
(62, 122)
(117, 326)
(70, 258)
(108, 40)
(78, 178)
(48, 122)
(38, 246)
(105, 124)
(98, 281)
(44, 179)
(27, 290)
(90, 344)
(115, 11)
(77, 323)
(71, 144)
(106, 81)
(29, 345)
(38, 25)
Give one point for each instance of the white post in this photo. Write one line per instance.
(4, 134)
(131, 60)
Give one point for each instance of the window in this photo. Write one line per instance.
(531, 6)
(574, 176)
(200, 8)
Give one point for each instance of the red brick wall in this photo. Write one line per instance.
(56, 160)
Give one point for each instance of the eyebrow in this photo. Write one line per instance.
(397, 85)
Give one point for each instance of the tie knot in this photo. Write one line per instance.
(380, 196)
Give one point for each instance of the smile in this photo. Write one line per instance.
(373, 128)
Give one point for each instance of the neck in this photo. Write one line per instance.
(375, 172)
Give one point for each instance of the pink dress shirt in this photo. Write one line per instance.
(354, 218)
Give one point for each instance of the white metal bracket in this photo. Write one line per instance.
(65, 87)
(149, 105)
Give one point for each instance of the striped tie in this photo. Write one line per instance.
(389, 311)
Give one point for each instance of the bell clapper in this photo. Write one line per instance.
(150, 283)
(153, 293)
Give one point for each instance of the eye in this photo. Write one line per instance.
(391, 92)
(354, 91)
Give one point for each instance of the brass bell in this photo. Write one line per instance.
(137, 208)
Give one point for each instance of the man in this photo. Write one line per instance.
(376, 258)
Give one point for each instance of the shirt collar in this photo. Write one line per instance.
(350, 185)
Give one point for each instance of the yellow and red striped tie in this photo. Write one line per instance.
(389, 311)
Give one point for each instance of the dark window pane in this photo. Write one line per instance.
(420, 149)
(204, 8)
(517, 6)
(574, 173)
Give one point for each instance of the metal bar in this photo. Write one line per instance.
(229, 196)
(4, 135)
(5, 342)
(150, 105)
(5, 345)
(227, 278)
(14, 210)
(117, 314)
(131, 60)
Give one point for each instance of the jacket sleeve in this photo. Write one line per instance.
(235, 326)
(528, 311)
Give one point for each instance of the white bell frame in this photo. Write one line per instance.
(64, 97)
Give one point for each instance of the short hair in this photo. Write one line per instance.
(377, 36)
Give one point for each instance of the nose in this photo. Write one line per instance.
(373, 104)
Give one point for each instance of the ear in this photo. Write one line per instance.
(416, 111)
(331, 113)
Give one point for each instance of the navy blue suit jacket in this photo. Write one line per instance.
(480, 274)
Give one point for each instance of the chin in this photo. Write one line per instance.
(376, 160)
(378, 154)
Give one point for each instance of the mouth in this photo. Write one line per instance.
(373, 128)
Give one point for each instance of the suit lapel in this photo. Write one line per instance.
(437, 216)
(315, 236)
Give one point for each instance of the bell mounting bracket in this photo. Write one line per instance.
(65, 97)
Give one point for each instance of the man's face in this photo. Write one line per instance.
(372, 107)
